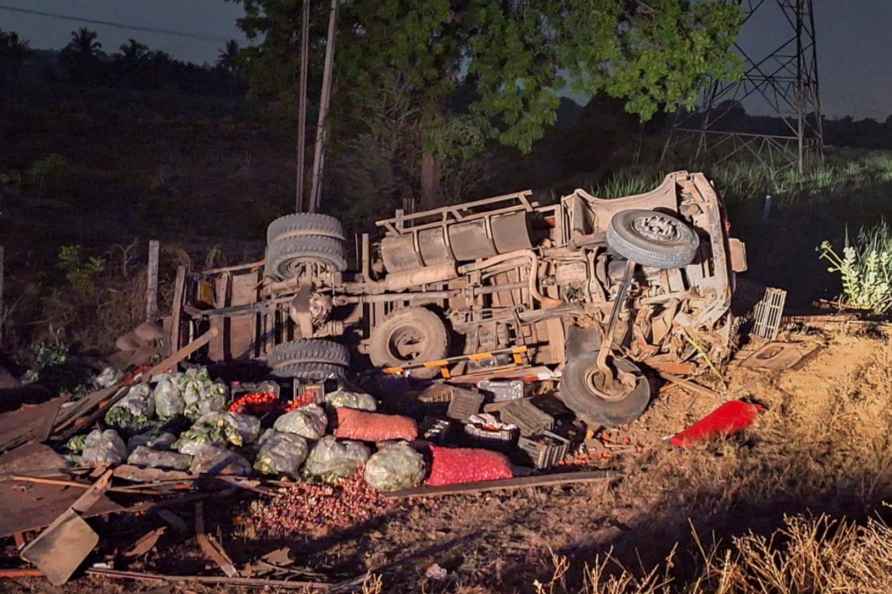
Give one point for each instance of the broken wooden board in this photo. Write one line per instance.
(138, 474)
(145, 543)
(37, 505)
(61, 548)
(777, 356)
(31, 420)
(209, 545)
(547, 480)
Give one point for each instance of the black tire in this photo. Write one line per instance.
(282, 255)
(302, 224)
(652, 238)
(576, 394)
(418, 332)
(314, 372)
(309, 351)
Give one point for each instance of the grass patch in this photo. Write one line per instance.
(742, 181)
(806, 555)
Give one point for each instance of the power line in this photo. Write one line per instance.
(198, 36)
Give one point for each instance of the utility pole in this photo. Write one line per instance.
(319, 153)
(782, 83)
(302, 107)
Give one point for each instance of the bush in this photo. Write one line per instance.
(865, 268)
(49, 173)
(80, 271)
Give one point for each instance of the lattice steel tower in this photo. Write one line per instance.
(783, 83)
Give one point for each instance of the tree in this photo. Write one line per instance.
(13, 52)
(510, 58)
(130, 63)
(228, 57)
(133, 54)
(81, 56)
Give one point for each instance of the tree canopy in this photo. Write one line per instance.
(13, 52)
(509, 60)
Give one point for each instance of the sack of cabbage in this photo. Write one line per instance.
(191, 393)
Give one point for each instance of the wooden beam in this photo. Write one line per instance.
(546, 480)
(209, 546)
(229, 581)
(176, 309)
(152, 281)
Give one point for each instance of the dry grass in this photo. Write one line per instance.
(825, 433)
(795, 507)
(807, 555)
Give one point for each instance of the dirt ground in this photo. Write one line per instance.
(822, 446)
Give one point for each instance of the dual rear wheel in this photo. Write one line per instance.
(304, 243)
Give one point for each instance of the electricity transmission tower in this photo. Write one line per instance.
(782, 84)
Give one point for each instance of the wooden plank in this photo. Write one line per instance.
(690, 386)
(84, 405)
(152, 281)
(68, 540)
(210, 547)
(229, 581)
(176, 309)
(28, 421)
(145, 543)
(217, 351)
(547, 480)
(243, 329)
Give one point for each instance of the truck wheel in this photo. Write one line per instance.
(652, 238)
(579, 395)
(284, 258)
(308, 352)
(409, 336)
(314, 372)
(302, 224)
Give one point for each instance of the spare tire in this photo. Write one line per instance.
(579, 396)
(302, 224)
(409, 336)
(314, 372)
(652, 238)
(282, 256)
(309, 351)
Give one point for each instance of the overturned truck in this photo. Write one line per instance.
(599, 289)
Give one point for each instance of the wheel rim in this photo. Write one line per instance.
(300, 267)
(657, 227)
(594, 382)
(407, 343)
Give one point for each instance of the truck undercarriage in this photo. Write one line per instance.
(653, 273)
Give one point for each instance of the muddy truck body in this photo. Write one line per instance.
(501, 275)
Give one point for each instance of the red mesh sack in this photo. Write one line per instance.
(452, 466)
(730, 418)
(368, 426)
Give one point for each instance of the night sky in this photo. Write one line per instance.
(854, 42)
